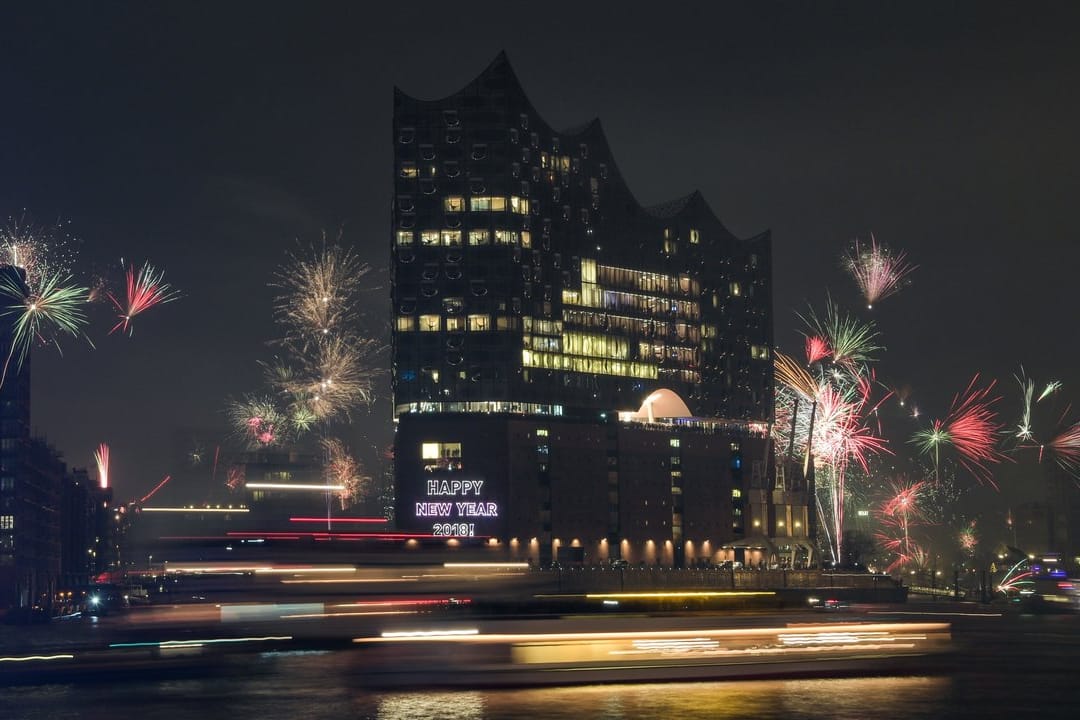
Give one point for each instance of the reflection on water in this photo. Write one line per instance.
(323, 686)
(828, 698)
(465, 705)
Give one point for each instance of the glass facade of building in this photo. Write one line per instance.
(524, 271)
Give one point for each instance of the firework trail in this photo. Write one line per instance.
(157, 487)
(41, 313)
(214, 466)
(878, 271)
(1016, 578)
(971, 429)
(796, 377)
(101, 459)
(342, 469)
(145, 289)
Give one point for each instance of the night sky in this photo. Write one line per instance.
(209, 138)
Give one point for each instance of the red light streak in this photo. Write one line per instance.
(157, 487)
(337, 519)
(331, 535)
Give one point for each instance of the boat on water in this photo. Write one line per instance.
(470, 656)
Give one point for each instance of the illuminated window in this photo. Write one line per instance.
(479, 323)
(479, 237)
(429, 237)
(408, 170)
(455, 323)
(588, 270)
(405, 323)
(759, 352)
(404, 237)
(673, 442)
(441, 456)
(736, 289)
(670, 248)
(483, 203)
(506, 322)
(7, 522)
(453, 203)
(736, 493)
(519, 205)
(430, 323)
(695, 237)
(506, 237)
(451, 237)
(526, 238)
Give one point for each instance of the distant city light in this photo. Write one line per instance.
(292, 486)
(195, 509)
(339, 519)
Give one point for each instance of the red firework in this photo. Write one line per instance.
(1066, 448)
(157, 487)
(817, 348)
(896, 514)
(235, 476)
(878, 271)
(145, 290)
(972, 429)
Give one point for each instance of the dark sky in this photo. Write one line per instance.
(209, 137)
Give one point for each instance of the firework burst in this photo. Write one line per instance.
(101, 460)
(258, 421)
(817, 349)
(342, 469)
(795, 376)
(1066, 448)
(37, 250)
(235, 477)
(1062, 441)
(968, 538)
(145, 289)
(971, 429)
(878, 271)
(41, 313)
(850, 340)
(897, 514)
(319, 292)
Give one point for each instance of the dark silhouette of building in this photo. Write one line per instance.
(542, 319)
